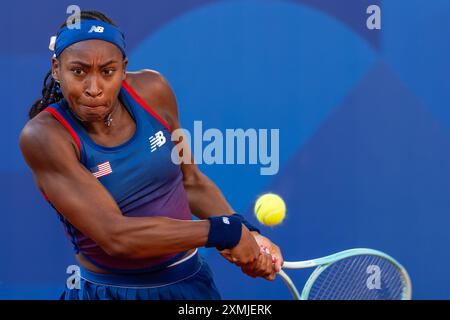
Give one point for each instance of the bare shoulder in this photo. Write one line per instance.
(44, 137)
(39, 131)
(147, 79)
(155, 90)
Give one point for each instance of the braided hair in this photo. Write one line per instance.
(51, 92)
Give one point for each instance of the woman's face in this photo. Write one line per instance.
(90, 74)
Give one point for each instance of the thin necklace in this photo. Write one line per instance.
(109, 118)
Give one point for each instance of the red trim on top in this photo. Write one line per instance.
(144, 105)
(63, 121)
(45, 196)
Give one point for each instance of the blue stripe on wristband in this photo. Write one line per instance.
(224, 232)
(246, 223)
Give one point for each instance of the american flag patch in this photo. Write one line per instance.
(102, 169)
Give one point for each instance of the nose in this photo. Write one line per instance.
(93, 87)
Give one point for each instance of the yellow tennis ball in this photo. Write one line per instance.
(270, 209)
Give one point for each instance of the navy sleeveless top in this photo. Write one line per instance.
(139, 174)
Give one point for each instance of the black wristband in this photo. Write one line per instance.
(249, 226)
(224, 232)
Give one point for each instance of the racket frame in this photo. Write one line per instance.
(322, 263)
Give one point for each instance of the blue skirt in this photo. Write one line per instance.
(189, 280)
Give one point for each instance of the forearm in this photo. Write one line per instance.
(143, 237)
(205, 198)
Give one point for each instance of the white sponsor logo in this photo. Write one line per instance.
(97, 29)
(157, 140)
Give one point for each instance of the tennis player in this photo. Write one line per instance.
(99, 145)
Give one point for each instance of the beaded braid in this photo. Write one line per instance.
(51, 91)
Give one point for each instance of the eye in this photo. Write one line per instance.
(108, 72)
(77, 71)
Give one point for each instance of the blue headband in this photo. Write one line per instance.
(89, 29)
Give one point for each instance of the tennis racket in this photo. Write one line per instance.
(355, 274)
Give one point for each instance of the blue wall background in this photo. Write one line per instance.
(363, 114)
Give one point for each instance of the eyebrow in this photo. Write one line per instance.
(87, 65)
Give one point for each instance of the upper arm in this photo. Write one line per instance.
(69, 186)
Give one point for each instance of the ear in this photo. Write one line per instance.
(55, 69)
(124, 68)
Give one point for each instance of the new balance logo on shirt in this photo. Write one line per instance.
(157, 140)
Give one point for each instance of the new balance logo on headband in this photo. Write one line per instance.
(98, 29)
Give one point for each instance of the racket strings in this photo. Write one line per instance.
(333, 282)
(340, 273)
(362, 278)
(359, 271)
(351, 278)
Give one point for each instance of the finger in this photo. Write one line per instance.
(258, 267)
(265, 265)
(278, 265)
(271, 277)
(270, 267)
(250, 274)
(227, 255)
(278, 261)
(257, 252)
(252, 255)
(276, 256)
(248, 270)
